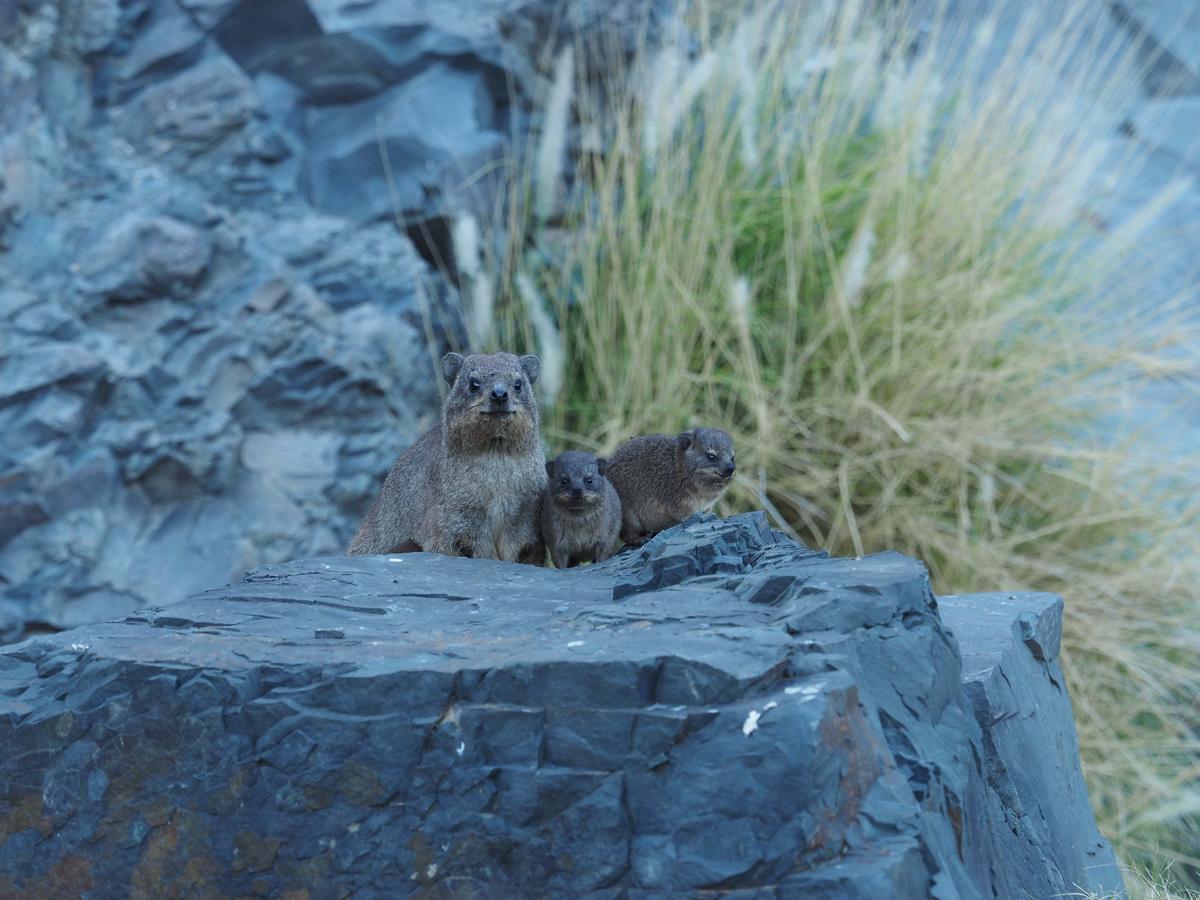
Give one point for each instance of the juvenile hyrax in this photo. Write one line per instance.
(471, 485)
(581, 515)
(662, 479)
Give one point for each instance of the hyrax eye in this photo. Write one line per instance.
(588, 479)
(711, 454)
(564, 480)
(474, 384)
(517, 385)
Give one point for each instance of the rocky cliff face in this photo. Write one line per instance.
(214, 336)
(721, 710)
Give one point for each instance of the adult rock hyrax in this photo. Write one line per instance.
(471, 485)
(581, 515)
(662, 479)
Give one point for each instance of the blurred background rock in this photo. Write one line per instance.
(216, 333)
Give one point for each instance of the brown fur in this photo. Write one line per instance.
(581, 513)
(662, 479)
(471, 485)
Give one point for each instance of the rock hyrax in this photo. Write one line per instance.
(581, 515)
(471, 485)
(662, 479)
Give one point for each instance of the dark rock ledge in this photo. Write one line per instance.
(720, 710)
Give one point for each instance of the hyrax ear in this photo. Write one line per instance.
(451, 364)
(549, 467)
(601, 465)
(685, 439)
(532, 367)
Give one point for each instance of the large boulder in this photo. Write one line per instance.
(720, 710)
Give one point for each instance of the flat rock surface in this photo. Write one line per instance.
(720, 710)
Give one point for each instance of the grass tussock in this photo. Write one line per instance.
(1142, 883)
(881, 272)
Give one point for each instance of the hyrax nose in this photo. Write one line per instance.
(728, 470)
(576, 493)
(499, 393)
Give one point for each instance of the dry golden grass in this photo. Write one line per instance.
(1145, 884)
(877, 270)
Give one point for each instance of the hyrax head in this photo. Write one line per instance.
(576, 480)
(491, 395)
(708, 455)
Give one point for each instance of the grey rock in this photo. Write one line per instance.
(92, 27)
(422, 127)
(424, 724)
(140, 257)
(191, 114)
(1010, 645)
(208, 13)
(1167, 33)
(167, 44)
(214, 335)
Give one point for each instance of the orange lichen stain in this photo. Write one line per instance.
(175, 861)
(119, 820)
(157, 813)
(360, 785)
(21, 813)
(71, 876)
(299, 875)
(955, 814)
(254, 853)
(316, 796)
(225, 801)
(847, 733)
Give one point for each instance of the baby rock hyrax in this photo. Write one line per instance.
(581, 515)
(471, 485)
(662, 479)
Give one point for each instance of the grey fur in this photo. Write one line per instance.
(471, 485)
(581, 513)
(662, 479)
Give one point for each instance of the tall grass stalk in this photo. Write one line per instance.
(876, 269)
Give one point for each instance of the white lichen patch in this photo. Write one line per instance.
(571, 644)
(751, 724)
(770, 705)
(806, 690)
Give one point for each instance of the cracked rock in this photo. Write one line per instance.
(750, 717)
